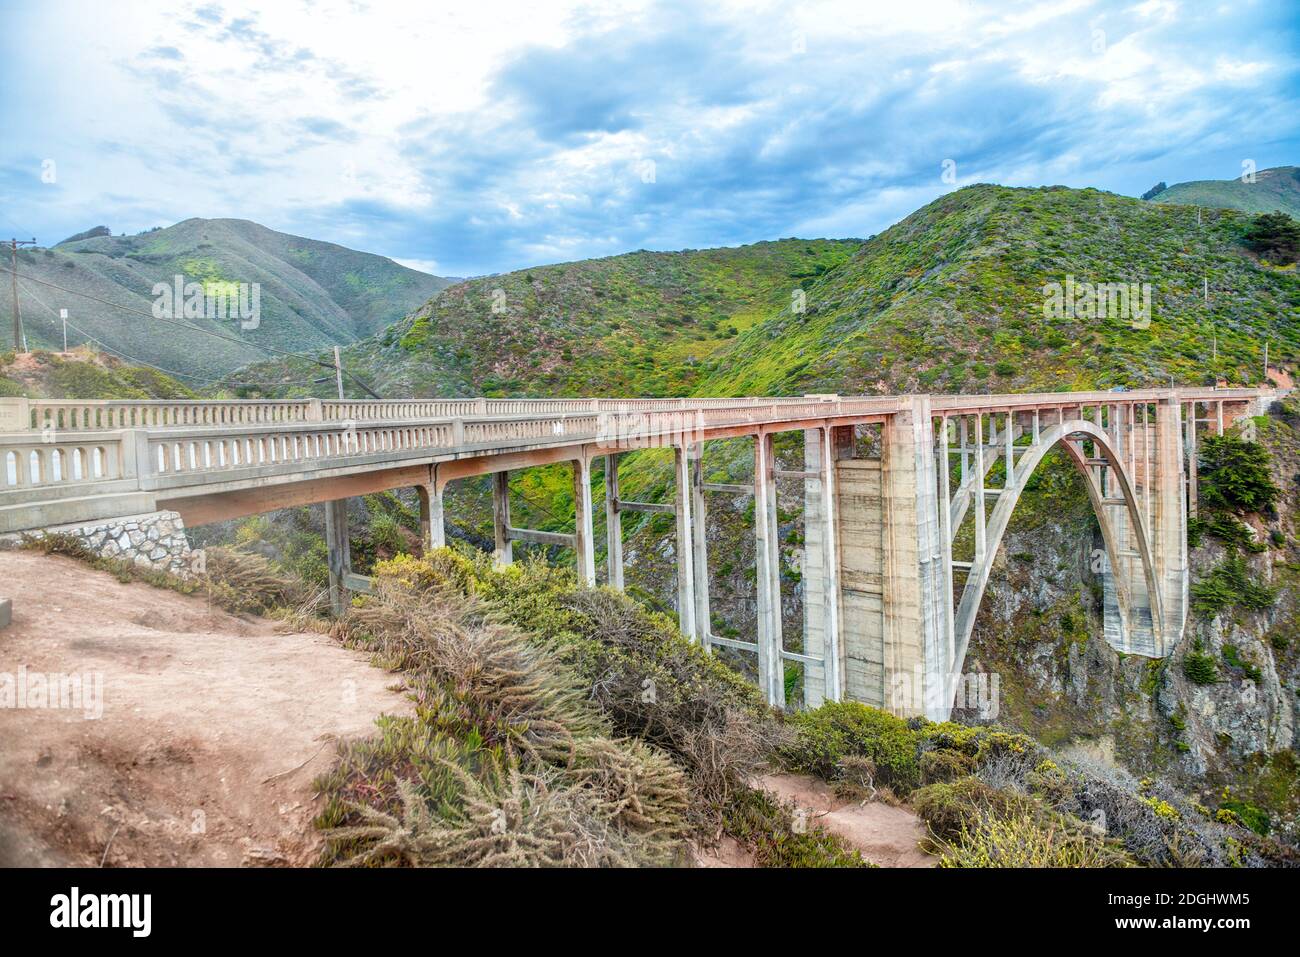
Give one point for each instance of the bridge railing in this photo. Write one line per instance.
(20, 414)
(80, 460)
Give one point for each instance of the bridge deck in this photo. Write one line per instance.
(77, 461)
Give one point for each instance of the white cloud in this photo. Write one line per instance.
(481, 135)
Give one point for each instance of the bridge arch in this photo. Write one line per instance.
(1069, 435)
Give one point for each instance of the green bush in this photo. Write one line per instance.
(1029, 840)
(1229, 585)
(1200, 668)
(841, 729)
(948, 807)
(1250, 816)
(1234, 475)
(1275, 236)
(1232, 655)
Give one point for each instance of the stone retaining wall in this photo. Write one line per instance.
(155, 540)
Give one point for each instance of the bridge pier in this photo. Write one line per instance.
(767, 562)
(874, 569)
(584, 536)
(613, 524)
(338, 546)
(700, 547)
(433, 532)
(822, 637)
(504, 551)
(682, 495)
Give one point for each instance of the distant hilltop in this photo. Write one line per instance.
(1275, 189)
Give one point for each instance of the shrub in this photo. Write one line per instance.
(945, 765)
(503, 732)
(1234, 475)
(1200, 668)
(1275, 236)
(1248, 815)
(633, 666)
(840, 729)
(1229, 585)
(1233, 656)
(1028, 840)
(950, 806)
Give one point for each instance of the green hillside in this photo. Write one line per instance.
(83, 374)
(952, 299)
(1273, 189)
(312, 294)
(644, 323)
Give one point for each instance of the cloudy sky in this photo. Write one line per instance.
(474, 137)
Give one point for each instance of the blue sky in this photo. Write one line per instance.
(487, 136)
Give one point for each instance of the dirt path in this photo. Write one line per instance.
(212, 729)
(886, 835)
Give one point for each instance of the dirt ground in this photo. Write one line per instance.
(885, 835)
(213, 727)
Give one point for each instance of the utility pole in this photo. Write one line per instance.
(338, 372)
(63, 315)
(20, 340)
(1265, 362)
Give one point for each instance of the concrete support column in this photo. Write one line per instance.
(613, 524)
(832, 638)
(1170, 524)
(771, 676)
(945, 543)
(822, 633)
(338, 552)
(700, 546)
(915, 645)
(584, 538)
(504, 552)
(977, 490)
(432, 531)
(685, 547)
(1009, 437)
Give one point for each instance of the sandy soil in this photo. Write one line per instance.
(212, 730)
(886, 835)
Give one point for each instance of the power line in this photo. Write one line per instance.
(270, 350)
(20, 341)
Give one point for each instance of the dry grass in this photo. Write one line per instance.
(528, 771)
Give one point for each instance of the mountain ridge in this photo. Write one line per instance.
(953, 298)
(1274, 189)
(311, 294)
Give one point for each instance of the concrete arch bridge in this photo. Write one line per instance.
(888, 606)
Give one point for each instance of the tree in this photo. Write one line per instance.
(1275, 236)
(1235, 475)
